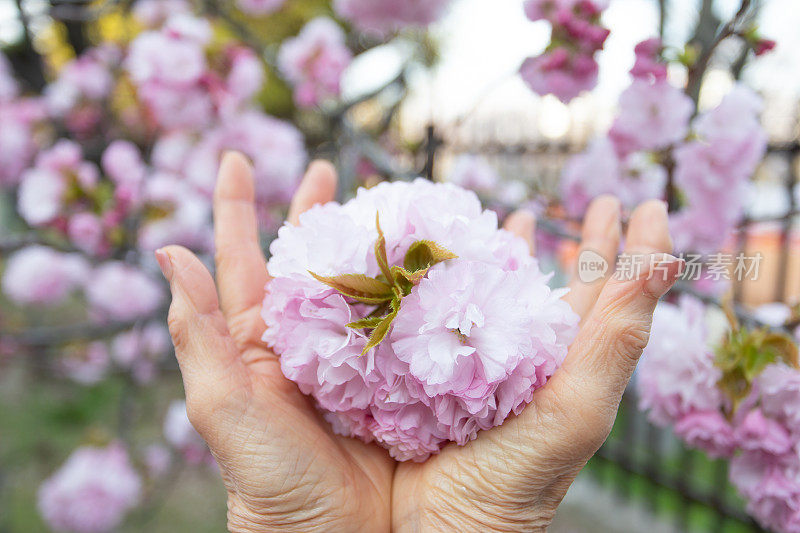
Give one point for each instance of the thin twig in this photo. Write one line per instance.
(697, 70)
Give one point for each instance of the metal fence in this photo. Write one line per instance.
(640, 461)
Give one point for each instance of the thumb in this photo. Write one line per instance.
(608, 346)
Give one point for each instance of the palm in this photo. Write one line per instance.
(283, 438)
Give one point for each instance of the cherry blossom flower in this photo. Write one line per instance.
(671, 387)
(560, 73)
(648, 65)
(41, 275)
(120, 291)
(259, 7)
(385, 16)
(275, 147)
(19, 119)
(182, 436)
(82, 85)
(651, 116)
(87, 364)
(91, 492)
(473, 172)
(461, 355)
(140, 350)
(43, 189)
(9, 88)
(313, 61)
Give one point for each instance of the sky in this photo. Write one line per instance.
(485, 41)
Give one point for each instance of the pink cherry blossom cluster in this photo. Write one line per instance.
(468, 344)
(711, 157)
(678, 382)
(567, 67)
(627, 162)
(80, 92)
(91, 492)
(179, 84)
(20, 117)
(476, 173)
(313, 61)
(127, 177)
(259, 7)
(714, 168)
(386, 16)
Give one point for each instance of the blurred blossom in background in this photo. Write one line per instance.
(114, 116)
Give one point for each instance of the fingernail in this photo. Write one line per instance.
(665, 271)
(165, 263)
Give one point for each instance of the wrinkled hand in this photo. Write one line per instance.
(512, 477)
(284, 468)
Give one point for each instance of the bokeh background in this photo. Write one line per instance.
(84, 357)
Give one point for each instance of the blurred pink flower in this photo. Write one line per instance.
(707, 431)
(86, 232)
(140, 350)
(86, 80)
(183, 214)
(87, 364)
(91, 492)
(648, 65)
(713, 171)
(313, 61)
(651, 116)
(779, 395)
(259, 7)
(153, 13)
(19, 142)
(561, 73)
(598, 170)
(245, 77)
(771, 488)
(157, 460)
(41, 275)
(276, 148)
(122, 162)
(119, 291)
(182, 436)
(755, 432)
(41, 196)
(676, 375)
(474, 172)
(9, 88)
(385, 16)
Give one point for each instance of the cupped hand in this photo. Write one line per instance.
(282, 466)
(513, 477)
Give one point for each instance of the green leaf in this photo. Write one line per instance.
(784, 346)
(380, 249)
(380, 332)
(358, 287)
(399, 274)
(367, 322)
(424, 254)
